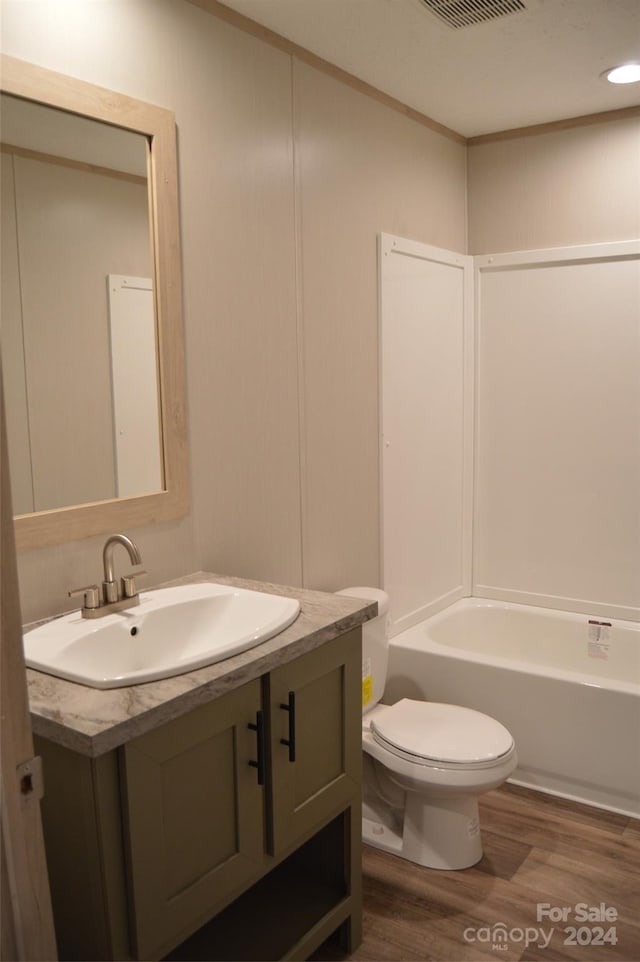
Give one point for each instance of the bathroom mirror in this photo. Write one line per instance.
(92, 336)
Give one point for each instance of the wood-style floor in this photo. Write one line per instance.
(537, 849)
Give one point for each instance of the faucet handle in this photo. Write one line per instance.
(91, 595)
(129, 589)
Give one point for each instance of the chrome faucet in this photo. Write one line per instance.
(113, 597)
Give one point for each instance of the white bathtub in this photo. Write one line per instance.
(567, 690)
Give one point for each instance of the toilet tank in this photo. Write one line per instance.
(375, 646)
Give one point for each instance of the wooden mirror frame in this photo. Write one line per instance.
(30, 82)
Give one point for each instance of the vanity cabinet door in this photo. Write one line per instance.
(194, 814)
(316, 738)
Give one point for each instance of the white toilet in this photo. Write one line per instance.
(425, 764)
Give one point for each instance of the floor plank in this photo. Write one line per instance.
(538, 850)
(633, 829)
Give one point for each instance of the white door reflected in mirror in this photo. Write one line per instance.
(134, 376)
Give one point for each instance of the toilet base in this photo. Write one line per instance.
(442, 833)
(436, 835)
(381, 836)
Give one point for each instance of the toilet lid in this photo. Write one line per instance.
(441, 733)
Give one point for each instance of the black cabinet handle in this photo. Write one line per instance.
(259, 729)
(291, 740)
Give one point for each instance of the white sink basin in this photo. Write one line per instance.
(171, 631)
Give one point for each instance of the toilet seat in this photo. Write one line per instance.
(441, 736)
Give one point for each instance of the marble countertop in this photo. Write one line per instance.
(92, 721)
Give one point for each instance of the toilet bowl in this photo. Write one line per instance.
(425, 764)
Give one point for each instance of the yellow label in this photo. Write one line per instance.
(367, 690)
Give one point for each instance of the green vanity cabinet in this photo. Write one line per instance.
(194, 817)
(243, 810)
(316, 700)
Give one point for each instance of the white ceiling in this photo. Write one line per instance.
(529, 67)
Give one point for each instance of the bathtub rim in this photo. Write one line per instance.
(514, 664)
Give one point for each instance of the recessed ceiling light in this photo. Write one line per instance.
(628, 73)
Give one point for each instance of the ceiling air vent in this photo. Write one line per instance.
(464, 13)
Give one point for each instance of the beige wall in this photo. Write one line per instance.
(361, 169)
(238, 237)
(579, 185)
(286, 177)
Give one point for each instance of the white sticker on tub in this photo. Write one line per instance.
(598, 638)
(596, 649)
(599, 630)
(599, 635)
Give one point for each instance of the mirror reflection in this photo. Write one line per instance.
(79, 343)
